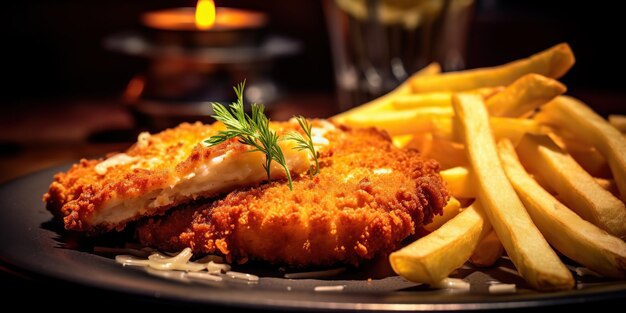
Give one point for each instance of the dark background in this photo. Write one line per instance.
(53, 49)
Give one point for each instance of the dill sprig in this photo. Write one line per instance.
(252, 130)
(305, 143)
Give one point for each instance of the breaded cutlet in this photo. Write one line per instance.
(367, 198)
(161, 171)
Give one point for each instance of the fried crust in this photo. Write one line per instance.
(159, 162)
(367, 198)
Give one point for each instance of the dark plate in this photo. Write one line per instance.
(29, 243)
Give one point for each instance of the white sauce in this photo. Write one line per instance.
(216, 268)
(158, 261)
(583, 271)
(242, 276)
(452, 283)
(178, 267)
(329, 288)
(502, 288)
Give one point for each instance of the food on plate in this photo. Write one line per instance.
(367, 198)
(618, 121)
(488, 251)
(585, 155)
(449, 211)
(460, 184)
(432, 258)
(553, 63)
(524, 95)
(447, 152)
(502, 127)
(574, 116)
(436, 99)
(573, 236)
(527, 248)
(574, 186)
(343, 191)
(532, 106)
(159, 172)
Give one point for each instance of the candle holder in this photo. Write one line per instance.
(189, 68)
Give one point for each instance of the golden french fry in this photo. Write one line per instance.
(385, 102)
(618, 121)
(421, 142)
(399, 122)
(608, 185)
(437, 99)
(587, 156)
(434, 256)
(532, 255)
(524, 95)
(419, 100)
(580, 120)
(449, 211)
(488, 251)
(459, 182)
(567, 232)
(502, 127)
(553, 63)
(402, 140)
(575, 187)
(447, 153)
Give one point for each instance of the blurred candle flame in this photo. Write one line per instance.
(205, 14)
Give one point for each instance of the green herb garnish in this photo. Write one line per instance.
(305, 143)
(252, 130)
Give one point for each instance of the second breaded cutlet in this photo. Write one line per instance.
(367, 198)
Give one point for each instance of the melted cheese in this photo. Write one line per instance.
(118, 159)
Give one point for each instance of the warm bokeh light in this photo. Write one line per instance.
(205, 14)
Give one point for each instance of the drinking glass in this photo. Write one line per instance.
(377, 44)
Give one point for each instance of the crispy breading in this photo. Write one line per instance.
(158, 172)
(367, 198)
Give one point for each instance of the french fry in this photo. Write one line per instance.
(449, 211)
(574, 186)
(577, 118)
(502, 127)
(587, 156)
(524, 95)
(459, 182)
(447, 153)
(437, 99)
(608, 185)
(420, 100)
(385, 102)
(402, 140)
(618, 121)
(488, 251)
(567, 232)
(433, 257)
(532, 255)
(400, 122)
(553, 63)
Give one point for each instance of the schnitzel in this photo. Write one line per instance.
(162, 171)
(367, 198)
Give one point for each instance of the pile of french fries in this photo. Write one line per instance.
(530, 170)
